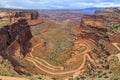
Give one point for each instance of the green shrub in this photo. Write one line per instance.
(106, 77)
(54, 78)
(107, 67)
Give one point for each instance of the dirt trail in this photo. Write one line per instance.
(29, 58)
(52, 69)
(47, 64)
(57, 67)
(61, 73)
(116, 45)
(11, 78)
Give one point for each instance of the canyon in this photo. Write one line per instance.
(63, 44)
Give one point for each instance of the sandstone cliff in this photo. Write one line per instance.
(108, 15)
(17, 33)
(106, 20)
(16, 30)
(12, 16)
(32, 17)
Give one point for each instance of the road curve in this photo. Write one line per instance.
(53, 71)
(48, 65)
(61, 73)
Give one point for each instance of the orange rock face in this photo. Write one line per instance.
(35, 22)
(32, 17)
(114, 38)
(77, 31)
(92, 20)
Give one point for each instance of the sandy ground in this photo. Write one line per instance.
(11, 78)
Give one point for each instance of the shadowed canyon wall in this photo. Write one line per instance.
(15, 35)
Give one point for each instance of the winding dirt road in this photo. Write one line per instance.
(51, 69)
(46, 64)
(60, 73)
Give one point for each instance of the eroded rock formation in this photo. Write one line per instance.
(15, 35)
(106, 20)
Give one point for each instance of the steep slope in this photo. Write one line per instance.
(15, 36)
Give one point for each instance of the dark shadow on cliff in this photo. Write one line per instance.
(19, 32)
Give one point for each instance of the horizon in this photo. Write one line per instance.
(58, 5)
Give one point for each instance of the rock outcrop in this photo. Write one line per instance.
(101, 18)
(106, 20)
(15, 35)
(11, 16)
(92, 20)
(32, 17)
